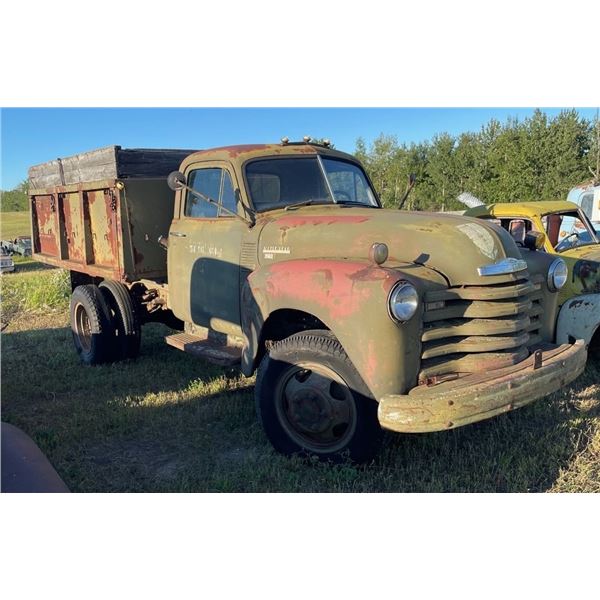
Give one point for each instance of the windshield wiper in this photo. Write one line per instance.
(307, 203)
(356, 203)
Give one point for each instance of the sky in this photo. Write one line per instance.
(31, 136)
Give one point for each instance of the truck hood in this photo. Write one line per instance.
(455, 246)
(590, 252)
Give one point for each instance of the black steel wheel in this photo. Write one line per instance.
(91, 325)
(128, 332)
(310, 399)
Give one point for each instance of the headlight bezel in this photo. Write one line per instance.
(558, 268)
(411, 293)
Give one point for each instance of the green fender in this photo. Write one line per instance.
(351, 298)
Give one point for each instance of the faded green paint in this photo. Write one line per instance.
(313, 263)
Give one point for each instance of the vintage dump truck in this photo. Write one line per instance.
(280, 257)
(561, 229)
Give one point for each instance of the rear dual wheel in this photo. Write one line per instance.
(126, 325)
(91, 325)
(104, 323)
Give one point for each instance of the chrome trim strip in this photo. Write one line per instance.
(503, 267)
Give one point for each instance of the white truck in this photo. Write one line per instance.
(587, 195)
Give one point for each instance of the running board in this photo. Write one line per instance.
(206, 348)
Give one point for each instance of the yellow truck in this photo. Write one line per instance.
(563, 229)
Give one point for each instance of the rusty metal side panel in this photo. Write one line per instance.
(101, 205)
(77, 227)
(105, 228)
(72, 228)
(44, 225)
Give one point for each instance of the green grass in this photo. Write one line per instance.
(33, 288)
(168, 422)
(13, 224)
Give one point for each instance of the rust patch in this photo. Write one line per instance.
(333, 285)
(235, 151)
(44, 208)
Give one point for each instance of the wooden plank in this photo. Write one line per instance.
(111, 162)
(87, 166)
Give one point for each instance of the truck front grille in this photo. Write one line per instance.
(479, 328)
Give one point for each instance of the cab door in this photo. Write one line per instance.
(204, 251)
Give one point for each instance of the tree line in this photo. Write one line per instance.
(538, 158)
(15, 200)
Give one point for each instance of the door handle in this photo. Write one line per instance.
(177, 234)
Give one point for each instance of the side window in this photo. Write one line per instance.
(207, 182)
(214, 183)
(227, 196)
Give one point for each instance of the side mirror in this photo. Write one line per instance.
(535, 240)
(176, 180)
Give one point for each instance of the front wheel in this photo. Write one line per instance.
(310, 399)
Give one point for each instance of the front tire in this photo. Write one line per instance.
(311, 400)
(91, 325)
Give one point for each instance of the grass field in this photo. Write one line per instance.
(13, 224)
(167, 422)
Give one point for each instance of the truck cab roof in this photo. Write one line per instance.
(506, 209)
(240, 154)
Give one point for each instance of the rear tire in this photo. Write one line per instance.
(91, 325)
(311, 400)
(128, 331)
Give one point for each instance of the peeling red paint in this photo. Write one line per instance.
(334, 285)
(44, 207)
(298, 221)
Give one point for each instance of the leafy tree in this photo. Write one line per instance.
(15, 200)
(539, 158)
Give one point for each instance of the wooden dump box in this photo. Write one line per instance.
(102, 212)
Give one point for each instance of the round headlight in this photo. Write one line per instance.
(403, 302)
(557, 275)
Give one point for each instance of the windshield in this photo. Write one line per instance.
(280, 182)
(569, 230)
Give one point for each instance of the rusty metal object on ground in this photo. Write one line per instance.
(24, 466)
